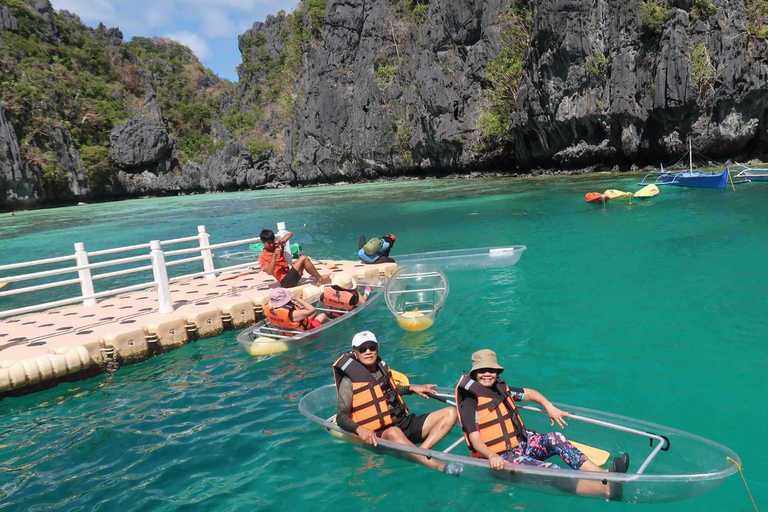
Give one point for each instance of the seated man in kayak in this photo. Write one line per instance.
(376, 250)
(369, 403)
(343, 294)
(494, 429)
(273, 262)
(289, 312)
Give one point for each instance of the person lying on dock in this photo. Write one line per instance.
(376, 250)
(370, 404)
(289, 312)
(343, 295)
(494, 429)
(273, 262)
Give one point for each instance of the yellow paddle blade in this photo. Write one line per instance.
(596, 455)
(400, 378)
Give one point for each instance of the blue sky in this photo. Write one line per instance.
(209, 27)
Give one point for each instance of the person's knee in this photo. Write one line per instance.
(394, 434)
(557, 438)
(450, 415)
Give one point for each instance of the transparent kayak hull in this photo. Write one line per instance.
(691, 466)
(477, 258)
(415, 294)
(466, 259)
(263, 339)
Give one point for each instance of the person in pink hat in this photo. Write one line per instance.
(285, 310)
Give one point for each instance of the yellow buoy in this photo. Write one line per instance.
(264, 346)
(414, 321)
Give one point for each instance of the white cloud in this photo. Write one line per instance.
(216, 23)
(193, 41)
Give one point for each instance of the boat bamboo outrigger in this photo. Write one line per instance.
(692, 178)
(747, 174)
(678, 465)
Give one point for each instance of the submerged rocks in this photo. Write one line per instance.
(140, 142)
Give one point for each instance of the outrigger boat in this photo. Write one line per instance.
(679, 465)
(264, 338)
(747, 174)
(691, 178)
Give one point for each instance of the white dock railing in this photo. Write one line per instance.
(157, 264)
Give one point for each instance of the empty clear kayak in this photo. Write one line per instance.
(466, 259)
(668, 464)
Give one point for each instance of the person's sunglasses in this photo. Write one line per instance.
(487, 370)
(371, 347)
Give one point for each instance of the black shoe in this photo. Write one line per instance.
(620, 464)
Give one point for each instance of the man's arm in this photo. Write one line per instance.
(344, 406)
(307, 311)
(271, 267)
(285, 239)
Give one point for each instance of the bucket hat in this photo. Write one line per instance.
(344, 281)
(485, 358)
(279, 297)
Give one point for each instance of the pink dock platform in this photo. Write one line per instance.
(38, 350)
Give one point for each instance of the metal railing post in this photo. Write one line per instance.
(205, 242)
(86, 280)
(164, 302)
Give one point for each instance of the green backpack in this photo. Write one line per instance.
(373, 246)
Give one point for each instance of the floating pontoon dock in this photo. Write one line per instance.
(81, 336)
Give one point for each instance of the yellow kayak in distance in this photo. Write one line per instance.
(618, 195)
(647, 191)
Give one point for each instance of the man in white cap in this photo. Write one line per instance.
(370, 403)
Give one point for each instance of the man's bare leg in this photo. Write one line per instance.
(437, 426)
(304, 263)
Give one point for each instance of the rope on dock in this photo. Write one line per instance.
(741, 472)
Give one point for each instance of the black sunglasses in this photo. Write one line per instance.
(371, 347)
(486, 370)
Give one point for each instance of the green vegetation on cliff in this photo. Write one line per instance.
(271, 79)
(757, 17)
(653, 16)
(505, 72)
(87, 81)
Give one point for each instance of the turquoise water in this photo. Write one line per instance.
(655, 311)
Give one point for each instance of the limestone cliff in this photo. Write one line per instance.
(386, 90)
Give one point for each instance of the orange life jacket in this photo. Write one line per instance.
(338, 298)
(375, 403)
(281, 317)
(498, 422)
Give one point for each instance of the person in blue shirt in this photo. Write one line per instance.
(376, 250)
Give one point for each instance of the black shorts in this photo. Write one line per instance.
(290, 280)
(412, 426)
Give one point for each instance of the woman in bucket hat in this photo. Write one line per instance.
(343, 294)
(285, 310)
(494, 429)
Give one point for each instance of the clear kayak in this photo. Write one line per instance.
(263, 338)
(415, 294)
(458, 259)
(668, 464)
(466, 259)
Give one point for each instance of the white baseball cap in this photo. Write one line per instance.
(362, 337)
